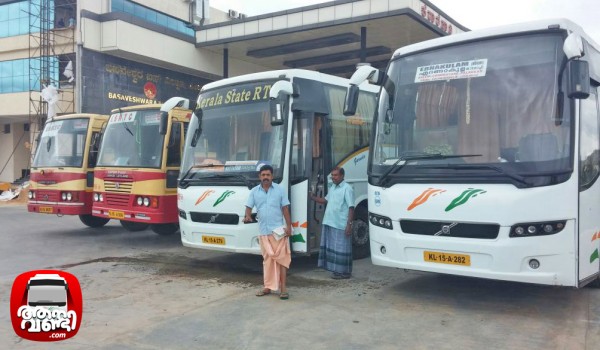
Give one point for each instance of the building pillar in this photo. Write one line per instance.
(225, 63)
(363, 44)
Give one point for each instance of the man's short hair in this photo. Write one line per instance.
(266, 167)
(340, 169)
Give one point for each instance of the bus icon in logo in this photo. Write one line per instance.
(46, 305)
(48, 291)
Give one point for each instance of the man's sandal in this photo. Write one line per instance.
(263, 292)
(284, 296)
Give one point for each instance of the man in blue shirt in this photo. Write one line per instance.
(272, 206)
(335, 252)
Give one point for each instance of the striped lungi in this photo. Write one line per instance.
(335, 253)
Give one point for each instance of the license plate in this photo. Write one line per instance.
(47, 210)
(114, 214)
(447, 258)
(213, 240)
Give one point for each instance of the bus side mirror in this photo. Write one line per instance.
(196, 135)
(351, 100)
(276, 109)
(579, 79)
(278, 94)
(164, 121)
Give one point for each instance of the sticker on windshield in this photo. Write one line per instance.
(452, 70)
(125, 117)
(80, 124)
(243, 165)
(152, 118)
(52, 129)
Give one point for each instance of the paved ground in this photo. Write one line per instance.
(144, 291)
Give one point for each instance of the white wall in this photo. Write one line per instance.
(121, 38)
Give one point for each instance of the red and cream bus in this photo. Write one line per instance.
(62, 170)
(138, 164)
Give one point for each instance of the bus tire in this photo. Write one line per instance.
(133, 226)
(361, 248)
(164, 229)
(93, 221)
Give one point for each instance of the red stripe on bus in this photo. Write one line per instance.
(58, 177)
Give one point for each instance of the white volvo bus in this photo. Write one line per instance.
(289, 119)
(485, 156)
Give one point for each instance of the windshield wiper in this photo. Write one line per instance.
(515, 177)
(127, 128)
(418, 156)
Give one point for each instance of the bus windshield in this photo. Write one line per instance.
(47, 295)
(485, 110)
(62, 143)
(235, 140)
(132, 139)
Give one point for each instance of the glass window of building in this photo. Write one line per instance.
(15, 18)
(151, 16)
(22, 75)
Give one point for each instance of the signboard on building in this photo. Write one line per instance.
(110, 82)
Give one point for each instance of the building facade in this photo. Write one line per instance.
(66, 56)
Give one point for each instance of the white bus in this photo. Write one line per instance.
(48, 291)
(485, 155)
(289, 119)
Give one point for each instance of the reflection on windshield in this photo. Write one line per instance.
(234, 139)
(132, 139)
(62, 143)
(480, 99)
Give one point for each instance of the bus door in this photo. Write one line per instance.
(305, 164)
(589, 189)
(174, 152)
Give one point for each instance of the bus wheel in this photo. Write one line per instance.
(360, 239)
(165, 229)
(134, 226)
(93, 221)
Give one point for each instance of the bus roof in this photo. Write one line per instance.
(545, 24)
(47, 276)
(136, 108)
(79, 115)
(288, 73)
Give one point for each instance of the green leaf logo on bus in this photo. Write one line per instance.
(464, 197)
(222, 198)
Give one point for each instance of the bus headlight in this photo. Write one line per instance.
(69, 196)
(140, 201)
(381, 221)
(63, 196)
(100, 197)
(96, 197)
(146, 201)
(528, 229)
(30, 195)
